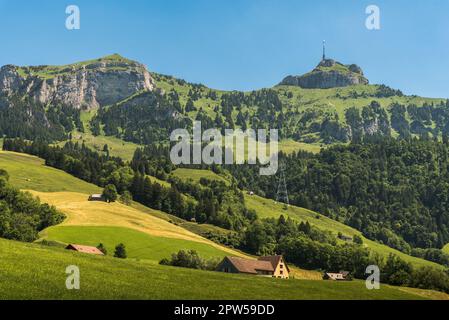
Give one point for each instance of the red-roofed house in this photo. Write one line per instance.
(84, 249)
(272, 266)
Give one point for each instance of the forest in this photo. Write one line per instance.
(21, 215)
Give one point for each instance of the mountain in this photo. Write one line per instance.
(117, 97)
(88, 84)
(328, 74)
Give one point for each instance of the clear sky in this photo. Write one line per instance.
(238, 44)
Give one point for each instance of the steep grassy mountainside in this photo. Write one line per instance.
(266, 208)
(108, 278)
(312, 116)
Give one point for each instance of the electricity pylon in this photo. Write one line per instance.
(282, 192)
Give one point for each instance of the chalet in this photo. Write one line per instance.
(337, 276)
(96, 197)
(85, 249)
(271, 266)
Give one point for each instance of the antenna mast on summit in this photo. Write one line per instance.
(282, 193)
(324, 49)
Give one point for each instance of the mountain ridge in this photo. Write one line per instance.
(87, 84)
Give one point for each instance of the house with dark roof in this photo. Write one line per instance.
(270, 266)
(84, 249)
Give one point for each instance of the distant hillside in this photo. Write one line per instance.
(333, 103)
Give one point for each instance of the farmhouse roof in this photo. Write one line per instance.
(336, 276)
(85, 249)
(250, 266)
(274, 260)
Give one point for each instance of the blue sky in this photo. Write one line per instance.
(239, 44)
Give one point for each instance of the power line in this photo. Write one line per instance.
(282, 192)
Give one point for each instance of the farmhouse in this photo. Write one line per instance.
(84, 249)
(338, 276)
(96, 197)
(271, 266)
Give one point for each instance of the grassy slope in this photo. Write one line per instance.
(70, 194)
(151, 248)
(446, 248)
(139, 245)
(117, 147)
(28, 172)
(108, 278)
(134, 226)
(269, 209)
(196, 175)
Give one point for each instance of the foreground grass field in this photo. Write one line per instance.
(36, 272)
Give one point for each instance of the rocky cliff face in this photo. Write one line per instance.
(84, 85)
(328, 74)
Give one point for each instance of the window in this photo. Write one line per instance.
(281, 266)
(282, 272)
(226, 270)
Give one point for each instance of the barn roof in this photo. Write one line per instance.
(85, 249)
(250, 266)
(336, 276)
(274, 260)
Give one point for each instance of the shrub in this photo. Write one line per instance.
(189, 259)
(120, 251)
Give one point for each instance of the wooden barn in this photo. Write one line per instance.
(96, 197)
(337, 276)
(270, 266)
(85, 249)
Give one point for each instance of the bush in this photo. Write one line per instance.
(126, 198)
(102, 248)
(189, 259)
(110, 193)
(120, 251)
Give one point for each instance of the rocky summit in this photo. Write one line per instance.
(88, 84)
(328, 74)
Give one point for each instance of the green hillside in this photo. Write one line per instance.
(134, 225)
(266, 208)
(109, 278)
(139, 245)
(29, 172)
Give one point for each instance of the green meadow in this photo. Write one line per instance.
(32, 271)
(37, 272)
(139, 245)
(29, 172)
